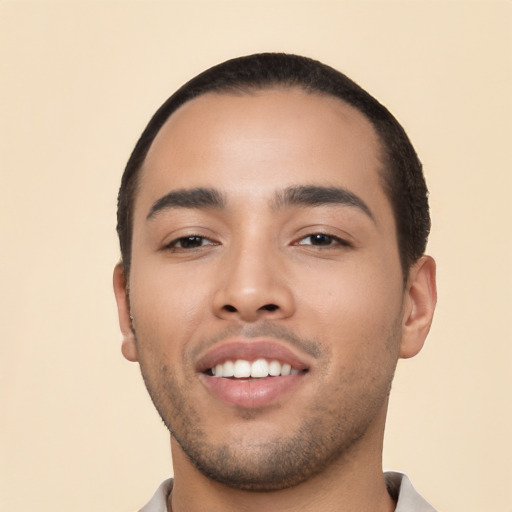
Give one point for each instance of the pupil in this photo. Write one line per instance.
(321, 239)
(191, 241)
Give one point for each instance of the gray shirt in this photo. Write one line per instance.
(399, 486)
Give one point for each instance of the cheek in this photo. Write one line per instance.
(167, 306)
(356, 308)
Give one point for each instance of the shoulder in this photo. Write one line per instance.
(158, 503)
(406, 496)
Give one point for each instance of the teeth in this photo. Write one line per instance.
(258, 369)
(286, 369)
(274, 368)
(242, 369)
(228, 369)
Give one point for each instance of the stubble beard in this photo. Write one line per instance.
(272, 465)
(328, 433)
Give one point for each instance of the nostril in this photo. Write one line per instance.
(267, 307)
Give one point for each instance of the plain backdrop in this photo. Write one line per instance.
(79, 81)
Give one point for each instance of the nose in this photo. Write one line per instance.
(253, 285)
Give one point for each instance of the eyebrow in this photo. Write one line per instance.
(305, 195)
(199, 198)
(313, 195)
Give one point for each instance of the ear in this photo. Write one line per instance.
(128, 344)
(419, 303)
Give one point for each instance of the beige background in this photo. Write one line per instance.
(78, 82)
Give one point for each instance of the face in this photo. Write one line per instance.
(265, 286)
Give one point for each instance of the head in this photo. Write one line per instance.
(272, 220)
(401, 171)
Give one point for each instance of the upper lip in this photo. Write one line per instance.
(250, 350)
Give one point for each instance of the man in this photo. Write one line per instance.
(273, 219)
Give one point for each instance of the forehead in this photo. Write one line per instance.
(255, 142)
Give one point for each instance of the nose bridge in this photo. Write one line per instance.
(253, 283)
(253, 265)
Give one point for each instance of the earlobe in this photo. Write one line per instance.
(128, 344)
(419, 305)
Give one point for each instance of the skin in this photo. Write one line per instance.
(337, 302)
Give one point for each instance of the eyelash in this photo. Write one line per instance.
(331, 238)
(174, 244)
(203, 241)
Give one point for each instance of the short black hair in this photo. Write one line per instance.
(403, 179)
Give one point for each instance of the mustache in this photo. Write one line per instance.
(263, 329)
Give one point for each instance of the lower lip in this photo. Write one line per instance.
(251, 393)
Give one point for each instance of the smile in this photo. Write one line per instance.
(259, 369)
(252, 373)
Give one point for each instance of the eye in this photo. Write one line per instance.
(189, 242)
(322, 240)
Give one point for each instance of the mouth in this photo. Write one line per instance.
(251, 374)
(259, 369)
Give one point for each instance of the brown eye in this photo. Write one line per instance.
(189, 243)
(322, 240)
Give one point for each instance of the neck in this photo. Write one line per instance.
(354, 482)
